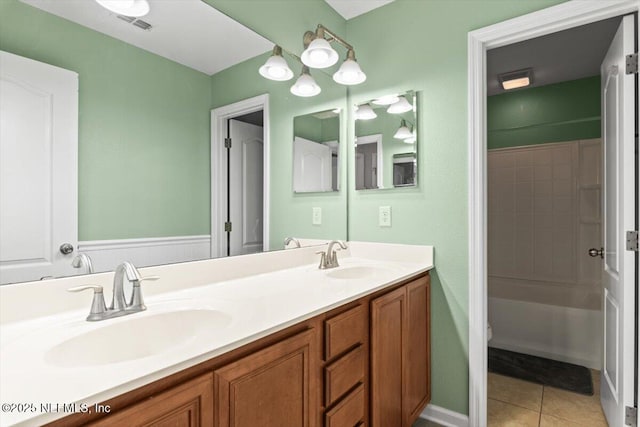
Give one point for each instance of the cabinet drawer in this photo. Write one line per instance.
(344, 331)
(343, 374)
(349, 412)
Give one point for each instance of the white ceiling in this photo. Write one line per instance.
(558, 57)
(189, 32)
(352, 8)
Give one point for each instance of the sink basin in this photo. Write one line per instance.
(135, 338)
(356, 272)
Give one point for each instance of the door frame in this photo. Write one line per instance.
(375, 138)
(556, 18)
(219, 117)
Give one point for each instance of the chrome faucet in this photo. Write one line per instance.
(119, 306)
(83, 260)
(329, 259)
(291, 239)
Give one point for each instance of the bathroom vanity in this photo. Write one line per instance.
(299, 347)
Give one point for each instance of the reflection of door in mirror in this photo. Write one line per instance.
(312, 166)
(244, 187)
(38, 171)
(369, 169)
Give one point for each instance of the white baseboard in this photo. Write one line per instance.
(107, 254)
(444, 416)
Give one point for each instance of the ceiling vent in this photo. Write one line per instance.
(144, 25)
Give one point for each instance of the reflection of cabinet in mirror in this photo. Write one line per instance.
(316, 148)
(404, 169)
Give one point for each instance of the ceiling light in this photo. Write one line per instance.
(403, 131)
(135, 8)
(318, 52)
(386, 100)
(400, 106)
(365, 112)
(516, 79)
(349, 72)
(305, 85)
(411, 139)
(276, 68)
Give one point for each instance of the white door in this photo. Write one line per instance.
(618, 111)
(38, 168)
(246, 188)
(312, 168)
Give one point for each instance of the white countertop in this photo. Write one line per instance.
(252, 307)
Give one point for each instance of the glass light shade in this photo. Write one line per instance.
(276, 68)
(319, 54)
(516, 83)
(134, 8)
(365, 112)
(411, 139)
(399, 107)
(386, 100)
(349, 73)
(403, 132)
(305, 86)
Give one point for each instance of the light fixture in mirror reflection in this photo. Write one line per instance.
(316, 161)
(141, 185)
(386, 142)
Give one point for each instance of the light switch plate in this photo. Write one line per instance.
(384, 216)
(317, 216)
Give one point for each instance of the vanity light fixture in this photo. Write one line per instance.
(365, 112)
(413, 138)
(276, 67)
(135, 8)
(403, 131)
(516, 79)
(305, 86)
(349, 72)
(318, 53)
(400, 106)
(386, 100)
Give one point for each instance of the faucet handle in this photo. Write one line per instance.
(137, 302)
(323, 259)
(98, 306)
(152, 278)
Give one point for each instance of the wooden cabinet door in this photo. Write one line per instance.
(188, 405)
(388, 335)
(274, 387)
(417, 373)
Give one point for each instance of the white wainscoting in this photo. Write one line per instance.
(107, 254)
(567, 334)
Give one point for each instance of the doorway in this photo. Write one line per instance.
(562, 17)
(240, 178)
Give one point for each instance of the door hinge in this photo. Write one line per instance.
(227, 227)
(227, 143)
(632, 63)
(632, 241)
(630, 416)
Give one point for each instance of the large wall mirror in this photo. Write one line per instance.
(386, 137)
(144, 160)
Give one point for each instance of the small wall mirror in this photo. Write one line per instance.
(386, 142)
(316, 162)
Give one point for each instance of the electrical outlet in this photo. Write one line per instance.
(384, 216)
(317, 216)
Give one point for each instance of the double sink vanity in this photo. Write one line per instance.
(256, 340)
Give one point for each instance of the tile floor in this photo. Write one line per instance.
(514, 402)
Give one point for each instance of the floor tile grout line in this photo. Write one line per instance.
(512, 404)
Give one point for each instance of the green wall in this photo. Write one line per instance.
(315, 129)
(143, 128)
(564, 111)
(424, 48)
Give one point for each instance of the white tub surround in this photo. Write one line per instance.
(254, 296)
